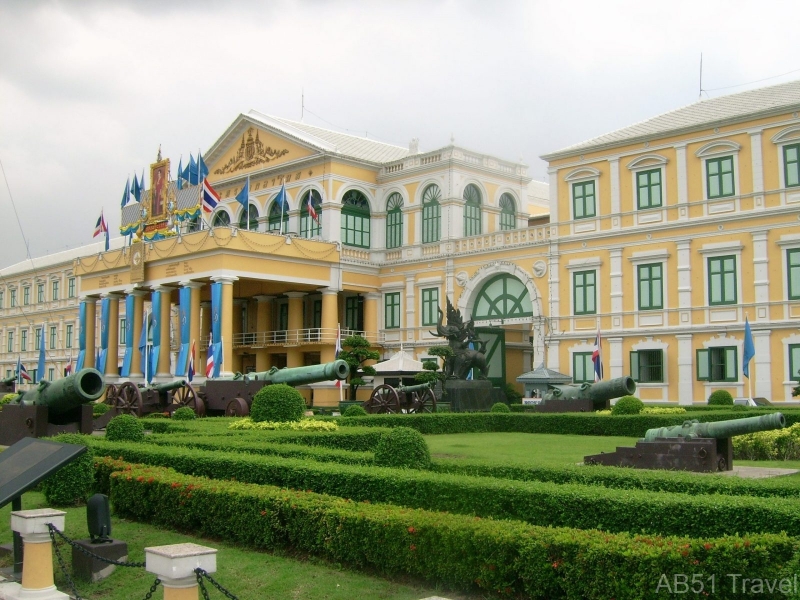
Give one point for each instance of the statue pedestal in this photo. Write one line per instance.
(471, 395)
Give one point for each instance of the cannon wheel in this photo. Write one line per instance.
(129, 399)
(237, 407)
(112, 392)
(384, 399)
(424, 402)
(186, 396)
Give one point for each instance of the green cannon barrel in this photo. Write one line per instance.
(168, 386)
(62, 395)
(600, 391)
(421, 387)
(718, 429)
(8, 380)
(331, 371)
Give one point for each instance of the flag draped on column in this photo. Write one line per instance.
(126, 361)
(157, 325)
(81, 337)
(40, 366)
(597, 358)
(185, 315)
(216, 325)
(143, 348)
(105, 305)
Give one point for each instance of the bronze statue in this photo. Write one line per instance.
(460, 336)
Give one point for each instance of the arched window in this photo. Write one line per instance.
(502, 297)
(221, 219)
(431, 214)
(355, 219)
(394, 221)
(278, 219)
(309, 226)
(472, 211)
(508, 215)
(249, 219)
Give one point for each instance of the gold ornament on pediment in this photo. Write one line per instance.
(251, 153)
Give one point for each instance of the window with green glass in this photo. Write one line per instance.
(2, 299)
(794, 362)
(508, 213)
(582, 367)
(13, 298)
(722, 280)
(53, 337)
(647, 366)
(650, 287)
(123, 330)
(309, 226)
(791, 165)
(39, 293)
(717, 364)
(248, 219)
(648, 189)
(584, 285)
(583, 200)
(68, 335)
(10, 346)
(430, 306)
(391, 304)
(71, 287)
(221, 219)
(51, 373)
(719, 177)
(793, 273)
(55, 291)
(431, 214)
(283, 316)
(472, 211)
(34, 373)
(394, 221)
(278, 219)
(502, 297)
(23, 341)
(353, 313)
(37, 338)
(316, 314)
(355, 229)
(26, 296)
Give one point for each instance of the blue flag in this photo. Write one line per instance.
(81, 337)
(190, 172)
(202, 169)
(136, 189)
(40, 366)
(243, 197)
(281, 198)
(126, 194)
(179, 179)
(749, 349)
(141, 185)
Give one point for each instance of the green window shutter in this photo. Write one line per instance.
(702, 365)
(730, 364)
(635, 365)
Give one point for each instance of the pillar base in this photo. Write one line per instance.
(14, 591)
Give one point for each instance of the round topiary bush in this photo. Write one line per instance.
(100, 409)
(354, 410)
(403, 447)
(184, 413)
(125, 428)
(500, 407)
(720, 398)
(627, 405)
(71, 484)
(279, 402)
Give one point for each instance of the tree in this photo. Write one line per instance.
(356, 351)
(432, 374)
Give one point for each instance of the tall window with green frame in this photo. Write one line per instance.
(248, 219)
(430, 306)
(394, 221)
(722, 280)
(40, 292)
(650, 287)
(584, 202)
(354, 313)
(791, 165)
(582, 367)
(472, 211)
(647, 366)
(221, 219)
(431, 214)
(648, 189)
(53, 337)
(391, 304)
(794, 362)
(37, 338)
(508, 213)
(717, 364)
(355, 220)
(793, 273)
(309, 226)
(283, 316)
(23, 341)
(584, 287)
(719, 177)
(278, 219)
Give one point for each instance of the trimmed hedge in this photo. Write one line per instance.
(351, 438)
(125, 428)
(72, 483)
(538, 503)
(505, 557)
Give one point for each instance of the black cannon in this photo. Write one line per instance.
(8, 385)
(133, 399)
(408, 399)
(587, 396)
(52, 407)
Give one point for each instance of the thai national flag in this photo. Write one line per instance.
(68, 368)
(190, 369)
(311, 210)
(101, 226)
(210, 361)
(22, 372)
(597, 359)
(209, 197)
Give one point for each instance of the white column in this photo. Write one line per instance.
(757, 164)
(552, 355)
(615, 358)
(762, 364)
(616, 287)
(685, 368)
(174, 565)
(331, 221)
(553, 274)
(411, 308)
(552, 178)
(37, 565)
(615, 201)
(683, 182)
(684, 281)
(760, 275)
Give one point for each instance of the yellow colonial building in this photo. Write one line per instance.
(664, 236)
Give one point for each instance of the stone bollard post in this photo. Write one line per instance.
(174, 565)
(37, 565)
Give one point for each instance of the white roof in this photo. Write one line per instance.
(401, 362)
(65, 257)
(705, 113)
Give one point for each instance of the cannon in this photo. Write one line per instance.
(52, 407)
(234, 395)
(587, 396)
(8, 385)
(405, 398)
(693, 446)
(139, 400)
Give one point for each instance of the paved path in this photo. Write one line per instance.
(758, 472)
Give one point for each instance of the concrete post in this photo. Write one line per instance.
(174, 565)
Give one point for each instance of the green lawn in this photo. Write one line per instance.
(245, 573)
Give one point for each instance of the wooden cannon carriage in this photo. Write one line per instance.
(134, 399)
(403, 399)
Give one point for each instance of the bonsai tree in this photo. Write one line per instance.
(356, 351)
(432, 374)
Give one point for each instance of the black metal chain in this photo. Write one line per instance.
(200, 573)
(153, 589)
(92, 554)
(61, 562)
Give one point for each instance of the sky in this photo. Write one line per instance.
(90, 89)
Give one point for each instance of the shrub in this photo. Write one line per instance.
(500, 407)
(100, 409)
(778, 444)
(354, 410)
(663, 410)
(720, 398)
(184, 413)
(511, 394)
(403, 447)
(301, 425)
(71, 484)
(6, 399)
(627, 405)
(125, 428)
(279, 402)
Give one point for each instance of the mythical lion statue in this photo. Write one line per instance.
(468, 350)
